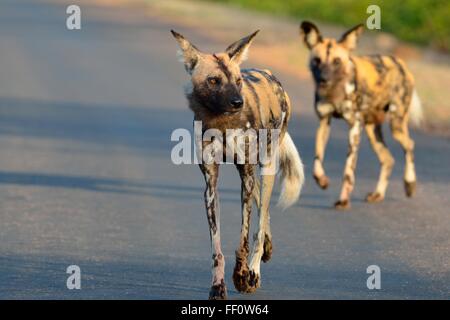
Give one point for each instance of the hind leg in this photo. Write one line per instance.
(375, 135)
(400, 132)
(260, 235)
(267, 242)
(267, 255)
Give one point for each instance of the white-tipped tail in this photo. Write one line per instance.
(416, 111)
(291, 173)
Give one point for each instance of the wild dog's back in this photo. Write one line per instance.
(266, 99)
(384, 83)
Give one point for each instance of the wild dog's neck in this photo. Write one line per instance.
(340, 90)
(351, 79)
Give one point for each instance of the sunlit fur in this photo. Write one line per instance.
(364, 91)
(217, 86)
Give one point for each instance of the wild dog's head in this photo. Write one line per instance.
(216, 78)
(329, 62)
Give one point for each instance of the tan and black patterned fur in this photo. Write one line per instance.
(223, 96)
(364, 91)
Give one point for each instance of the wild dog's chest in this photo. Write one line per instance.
(240, 138)
(358, 101)
(248, 119)
(345, 107)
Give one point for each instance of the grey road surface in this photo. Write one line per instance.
(86, 178)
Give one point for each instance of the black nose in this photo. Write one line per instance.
(323, 79)
(236, 102)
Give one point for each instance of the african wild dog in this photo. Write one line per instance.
(223, 96)
(362, 90)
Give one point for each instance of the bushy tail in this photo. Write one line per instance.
(291, 173)
(416, 111)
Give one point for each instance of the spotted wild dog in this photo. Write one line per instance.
(364, 91)
(223, 97)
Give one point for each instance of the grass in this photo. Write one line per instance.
(418, 21)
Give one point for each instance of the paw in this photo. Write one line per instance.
(410, 188)
(240, 279)
(342, 205)
(253, 282)
(267, 249)
(322, 181)
(240, 274)
(245, 281)
(374, 197)
(218, 292)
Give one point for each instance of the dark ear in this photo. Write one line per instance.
(238, 50)
(350, 38)
(190, 54)
(310, 34)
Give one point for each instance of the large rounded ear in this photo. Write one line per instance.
(310, 34)
(238, 51)
(350, 38)
(189, 53)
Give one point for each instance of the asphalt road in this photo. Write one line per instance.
(86, 178)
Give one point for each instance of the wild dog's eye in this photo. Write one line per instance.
(239, 82)
(337, 61)
(214, 81)
(315, 61)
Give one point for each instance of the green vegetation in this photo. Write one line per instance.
(425, 22)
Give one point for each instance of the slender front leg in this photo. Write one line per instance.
(322, 135)
(211, 174)
(350, 165)
(248, 186)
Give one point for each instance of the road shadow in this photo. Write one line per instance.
(144, 128)
(148, 130)
(166, 277)
(111, 185)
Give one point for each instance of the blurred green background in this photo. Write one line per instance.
(425, 22)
